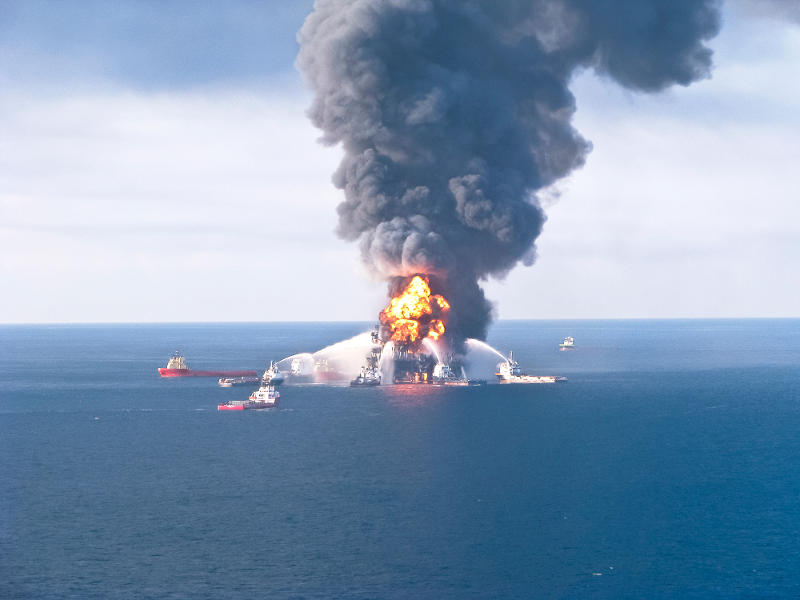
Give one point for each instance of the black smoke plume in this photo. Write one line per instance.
(453, 113)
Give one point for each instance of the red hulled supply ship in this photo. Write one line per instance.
(177, 367)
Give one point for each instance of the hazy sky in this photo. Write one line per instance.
(156, 164)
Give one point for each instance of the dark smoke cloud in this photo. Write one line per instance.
(453, 113)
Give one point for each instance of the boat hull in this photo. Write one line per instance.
(533, 379)
(232, 381)
(247, 406)
(229, 407)
(367, 383)
(164, 372)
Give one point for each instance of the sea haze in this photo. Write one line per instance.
(665, 467)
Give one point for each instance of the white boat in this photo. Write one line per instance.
(370, 374)
(567, 344)
(367, 377)
(265, 396)
(509, 371)
(443, 374)
(272, 376)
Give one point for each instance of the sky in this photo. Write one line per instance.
(157, 165)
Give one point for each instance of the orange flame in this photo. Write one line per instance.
(415, 313)
(436, 330)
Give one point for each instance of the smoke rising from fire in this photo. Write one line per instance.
(453, 114)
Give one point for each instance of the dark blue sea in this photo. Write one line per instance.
(668, 466)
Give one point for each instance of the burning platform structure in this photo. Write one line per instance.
(410, 328)
(409, 366)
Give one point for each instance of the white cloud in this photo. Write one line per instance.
(121, 206)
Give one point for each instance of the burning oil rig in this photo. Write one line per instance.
(409, 328)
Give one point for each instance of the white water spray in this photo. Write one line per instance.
(428, 342)
(473, 343)
(285, 363)
(481, 361)
(356, 343)
(386, 364)
(342, 359)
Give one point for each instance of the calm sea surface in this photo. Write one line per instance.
(667, 467)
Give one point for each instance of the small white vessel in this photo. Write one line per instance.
(443, 374)
(567, 344)
(272, 376)
(265, 396)
(370, 374)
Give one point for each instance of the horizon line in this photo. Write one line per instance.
(353, 321)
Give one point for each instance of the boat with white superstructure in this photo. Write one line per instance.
(272, 376)
(567, 344)
(509, 371)
(265, 396)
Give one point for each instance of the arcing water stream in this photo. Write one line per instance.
(478, 344)
(342, 360)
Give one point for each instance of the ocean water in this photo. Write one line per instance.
(667, 467)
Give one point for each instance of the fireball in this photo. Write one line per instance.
(415, 313)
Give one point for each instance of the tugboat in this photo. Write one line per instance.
(370, 374)
(177, 367)
(567, 344)
(272, 376)
(509, 371)
(265, 396)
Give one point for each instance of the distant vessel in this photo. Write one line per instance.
(272, 376)
(232, 381)
(265, 396)
(509, 371)
(298, 373)
(370, 373)
(177, 367)
(323, 372)
(567, 344)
